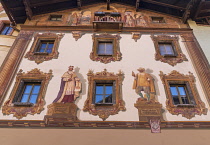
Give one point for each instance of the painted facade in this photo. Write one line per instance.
(135, 38)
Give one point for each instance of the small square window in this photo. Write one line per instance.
(45, 46)
(180, 94)
(166, 49)
(27, 94)
(7, 30)
(158, 20)
(105, 48)
(55, 17)
(104, 93)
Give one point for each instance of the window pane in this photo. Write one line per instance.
(36, 89)
(162, 49)
(9, 30)
(33, 99)
(43, 45)
(28, 89)
(101, 48)
(49, 50)
(174, 91)
(109, 48)
(169, 49)
(99, 99)
(24, 98)
(108, 98)
(108, 89)
(50, 45)
(176, 100)
(181, 91)
(184, 99)
(4, 32)
(99, 89)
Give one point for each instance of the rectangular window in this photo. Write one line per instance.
(158, 20)
(180, 94)
(105, 48)
(55, 17)
(166, 49)
(45, 46)
(7, 30)
(104, 93)
(27, 93)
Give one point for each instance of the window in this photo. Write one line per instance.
(158, 20)
(168, 49)
(44, 47)
(7, 30)
(55, 17)
(27, 96)
(105, 48)
(104, 94)
(182, 95)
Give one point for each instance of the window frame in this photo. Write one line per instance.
(3, 24)
(172, 60)
(153, 21)
(106, 58)
(40, 57)
(13, 106)
(50, 17)
(186, 110)
(104, 110)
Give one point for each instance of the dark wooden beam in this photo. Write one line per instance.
(108, 4)
(9, 14)
(187, 12)
(137, 4)
(29, 12)
(198, 9)
(79, 4)
(47, 2)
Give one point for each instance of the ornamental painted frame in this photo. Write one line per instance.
(22, 111)
(186, 111)
(116, 48)
(104, 111)
(180, 57)
(39, 57)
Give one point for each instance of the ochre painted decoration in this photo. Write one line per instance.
(79, 18)
(39, 57)
(77, 34)
(21, 111)
(186, 110)
(61, 112)
(104, 110)
(114, 39)
(144, 82)
(70, 87)
(178, 56)
(136, 35)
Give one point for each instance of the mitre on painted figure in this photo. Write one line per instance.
(144, 82)
(69, 88)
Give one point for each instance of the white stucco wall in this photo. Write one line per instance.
(202, 34)
(134, 55)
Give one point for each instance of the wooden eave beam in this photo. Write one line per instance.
(9, 13)
(137, 4)
(198, 10)
(79, 4)
(47, 3)
(187, 12)
(163, 4)
(29, 12)
(108, 4)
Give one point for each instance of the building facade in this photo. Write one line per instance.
(105, 66)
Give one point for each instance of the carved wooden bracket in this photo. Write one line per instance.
(116, 48)
(136, 35)
(104, 111)
(22, 111)
(188, 111)
(77, 34)
(180, 57)
(40, 57)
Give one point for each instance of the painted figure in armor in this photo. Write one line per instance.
(143, 82)
(69, 88)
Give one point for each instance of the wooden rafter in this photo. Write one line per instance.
(29, 12)
(108, 4)
(79, 4)
(137, 4)
(188, 11)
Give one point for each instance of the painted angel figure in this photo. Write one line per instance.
(69, 88)
(143, 82)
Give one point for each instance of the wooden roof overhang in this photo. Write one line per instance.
(19, 10)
